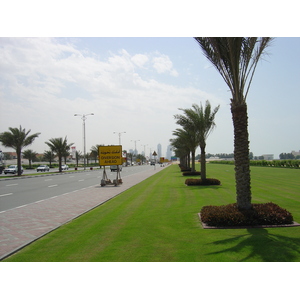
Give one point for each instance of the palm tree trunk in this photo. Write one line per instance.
(18, 150)
(59, 163)
(241, 156)
(193, 161)
(203, 164)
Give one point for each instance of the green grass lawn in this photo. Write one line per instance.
(157, 220)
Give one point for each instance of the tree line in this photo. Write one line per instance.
(19, 138)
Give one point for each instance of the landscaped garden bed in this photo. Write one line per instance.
(207, 181)
(195, 173)
(263, 214)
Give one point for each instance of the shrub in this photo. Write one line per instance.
(260, 214)
(191, 173)
(208, 181)
(185, 169)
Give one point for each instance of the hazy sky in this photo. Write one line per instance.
(136, 84)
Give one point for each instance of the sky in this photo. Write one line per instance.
(136, 85)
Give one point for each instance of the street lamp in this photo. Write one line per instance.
(119, 133)
(145, 150)
(135, 145)
(84, 117)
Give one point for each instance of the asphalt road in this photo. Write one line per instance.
(16, 192)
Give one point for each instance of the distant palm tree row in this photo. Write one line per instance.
(197, 123)
(19, 138)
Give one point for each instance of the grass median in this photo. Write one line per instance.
(157, 220)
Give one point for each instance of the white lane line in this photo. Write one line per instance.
(22, 206)
(3, 195)
(71, 176)
(12, 184)
(81, 180)
(52, 185)
(48, 179)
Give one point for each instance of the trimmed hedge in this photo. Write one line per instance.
(260, 214)
(191, 173)
(208, 181)
(282, 163)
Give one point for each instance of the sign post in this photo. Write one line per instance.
(110, 156)
(154, 154)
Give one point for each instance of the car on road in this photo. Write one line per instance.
(114, 168)
(12, 169)
(42, 168)
(65, 167)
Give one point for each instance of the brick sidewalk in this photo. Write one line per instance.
(23, 225)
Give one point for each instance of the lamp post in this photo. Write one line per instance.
(145, 151)
(83, 117)
(135, 145)
(119, 133)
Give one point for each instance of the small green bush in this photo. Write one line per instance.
(191, 173)
(185, 169)
(207, 181)
(260, 214)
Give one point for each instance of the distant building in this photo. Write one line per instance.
(268, 156)
(169, 152)
(73, 152)
(295, 153)
(159, 151)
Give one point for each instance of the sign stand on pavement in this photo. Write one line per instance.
(110, 156)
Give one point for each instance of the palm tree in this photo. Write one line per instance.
(78, 155)
(182, 151)
(17, 139)
(30, 155)
(95, 152)
(201, 121)
(59, 146)
(49, 156)
(188, 138)
(236, 59)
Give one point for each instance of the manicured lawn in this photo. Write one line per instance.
(157, 221)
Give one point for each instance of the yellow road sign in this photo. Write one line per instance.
(110, 155)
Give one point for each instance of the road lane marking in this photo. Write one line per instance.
(3, 195)
(52, 185)
(22, 206)
(48, 179)
(81, 180)
(12, 184)
(39, 201)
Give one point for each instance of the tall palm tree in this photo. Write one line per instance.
(30, 155)
(236, 59)
(59, 146)
(17, 139)
(200, 120)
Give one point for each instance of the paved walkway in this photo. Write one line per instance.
(23, 225)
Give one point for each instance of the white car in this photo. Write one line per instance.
(65, 167)
(115, 168)
(42, 168)
(13, 169)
